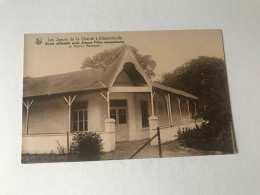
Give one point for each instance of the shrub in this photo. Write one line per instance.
(206, 137)
(61, 149)
(86, 145)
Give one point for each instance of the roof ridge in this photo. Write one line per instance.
(46, 76)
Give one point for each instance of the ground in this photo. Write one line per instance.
(123, 151)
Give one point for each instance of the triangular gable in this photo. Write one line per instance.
(114, 70)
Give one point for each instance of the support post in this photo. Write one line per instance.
(69, 114)
(152, 96)
(188, 107)
(179, 103)
(153, 124)
(69, 102)
(170, 108)
(195, 108)
(108, 104)
(27, 106)
(109, 139)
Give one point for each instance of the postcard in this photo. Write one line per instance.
(125, 95)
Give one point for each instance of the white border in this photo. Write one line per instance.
(230, 174)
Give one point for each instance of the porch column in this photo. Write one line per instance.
(188, 107)
(69, 102)
(152, 96)
(27, 106)
(179, 104)
(168, 104)
(153, 124)
(170, 108)
(108, 137)
(195, 106)
(108, 102)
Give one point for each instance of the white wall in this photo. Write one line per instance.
(48, 143)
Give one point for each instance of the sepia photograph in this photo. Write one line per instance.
(125, 95)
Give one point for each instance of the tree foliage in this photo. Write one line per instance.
(206, 78)
(105, 58)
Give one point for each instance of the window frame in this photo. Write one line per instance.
(117, 115)
(83, 110)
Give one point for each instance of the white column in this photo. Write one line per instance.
(153, 124)
(108, 104)
(69, 102)
(152, 96)
(170, 108)
(179, 103)
(195, 106)
(188, 107)
(27, 106)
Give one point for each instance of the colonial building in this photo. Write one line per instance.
(120, 103)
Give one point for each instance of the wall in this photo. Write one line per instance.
(96, 103)
(46, 115)
(47, 143)
(50, 114)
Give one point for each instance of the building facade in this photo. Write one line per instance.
(120, 103)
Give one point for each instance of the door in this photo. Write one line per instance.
(121, 126)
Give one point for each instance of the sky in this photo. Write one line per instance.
(169, 49)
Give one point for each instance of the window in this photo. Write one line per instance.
(119, 114)
(122, 116)
(145, 114)
(118, 111)
(80, 117)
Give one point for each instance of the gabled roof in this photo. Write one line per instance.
(87, 80)
(115, 68)
(112, 69)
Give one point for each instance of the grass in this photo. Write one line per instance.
(123, 151)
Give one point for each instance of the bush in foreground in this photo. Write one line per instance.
(206, 137)
(86, 145)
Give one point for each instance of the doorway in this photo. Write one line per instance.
(119, 112)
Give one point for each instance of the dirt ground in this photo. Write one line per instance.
(170, 149)
(123, 151)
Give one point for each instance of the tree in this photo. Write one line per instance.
(105, 58)
(206, 78)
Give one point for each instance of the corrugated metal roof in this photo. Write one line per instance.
(83, 80)
(172, 90)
